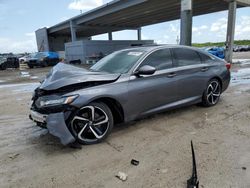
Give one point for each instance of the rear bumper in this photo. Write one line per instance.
(226, 81)
(55, 124)
(34, 63)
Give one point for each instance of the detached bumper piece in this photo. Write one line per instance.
(55, 123)
(57, 127)
(37, 117)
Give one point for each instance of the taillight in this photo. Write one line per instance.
(228, 65)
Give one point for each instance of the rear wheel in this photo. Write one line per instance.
(92, 124)
(212, 93)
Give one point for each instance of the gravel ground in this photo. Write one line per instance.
(29, 157)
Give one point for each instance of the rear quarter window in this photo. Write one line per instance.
(205, 58)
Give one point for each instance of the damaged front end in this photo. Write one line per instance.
(53, 112)
(52, 106)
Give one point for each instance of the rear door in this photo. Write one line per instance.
(190, 71)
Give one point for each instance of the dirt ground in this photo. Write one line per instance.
(241, 55)
(29, 157)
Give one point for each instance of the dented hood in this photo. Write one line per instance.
(63, 75)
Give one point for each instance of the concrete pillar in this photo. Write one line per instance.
(230, 31)
(42, 40)
(110, 36)
(186, 22)
(139, 34)
(73, 31)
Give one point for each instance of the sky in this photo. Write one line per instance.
(19, 19)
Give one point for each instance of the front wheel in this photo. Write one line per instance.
(92, 124)
(212, 93)
(44, 64)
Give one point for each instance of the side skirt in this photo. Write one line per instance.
(177, 104)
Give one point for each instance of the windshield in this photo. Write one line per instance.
(2, 59)
(118, 62)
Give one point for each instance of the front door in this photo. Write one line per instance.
(151, 92)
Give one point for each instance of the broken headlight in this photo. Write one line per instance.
(58, 101)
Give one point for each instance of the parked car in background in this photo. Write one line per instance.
(9, 62)
(43, 59)
(236, 48)
(241, 48)
(77, 104)
(217, 51)
(2, 63)
(24, 59)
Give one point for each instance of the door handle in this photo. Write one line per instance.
(171, 75)
(203, 69)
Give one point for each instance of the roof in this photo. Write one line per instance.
(148, 48)
(126, 14)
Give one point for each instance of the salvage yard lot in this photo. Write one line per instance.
(29, 157)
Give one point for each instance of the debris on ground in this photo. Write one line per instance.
(25, 74)
(164, 171)
(206, 118)
(244, 168)
(193, 182)
(34, 77)
(13, 156)
(122, 176)
(134, 162)
(75, 145)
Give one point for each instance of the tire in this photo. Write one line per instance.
(212, 93)
(88, 130)
(3, 66)
(44, 64)
(31, 66)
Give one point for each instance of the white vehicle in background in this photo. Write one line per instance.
(24, 59)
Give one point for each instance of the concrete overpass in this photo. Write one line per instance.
(126, 14)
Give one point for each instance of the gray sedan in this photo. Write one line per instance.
(80, 105)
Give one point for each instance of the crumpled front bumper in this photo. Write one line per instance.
(56, 126)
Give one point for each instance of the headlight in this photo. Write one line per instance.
(58, 101)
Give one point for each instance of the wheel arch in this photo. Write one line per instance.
(115, 107)
(219, 79)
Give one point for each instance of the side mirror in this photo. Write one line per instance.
(145, 70)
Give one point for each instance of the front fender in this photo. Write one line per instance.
(118, 92)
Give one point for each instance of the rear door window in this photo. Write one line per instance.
(185, 57)
(160, 59)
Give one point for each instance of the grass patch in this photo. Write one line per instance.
(220, 44)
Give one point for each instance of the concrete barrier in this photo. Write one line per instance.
(23, 66)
